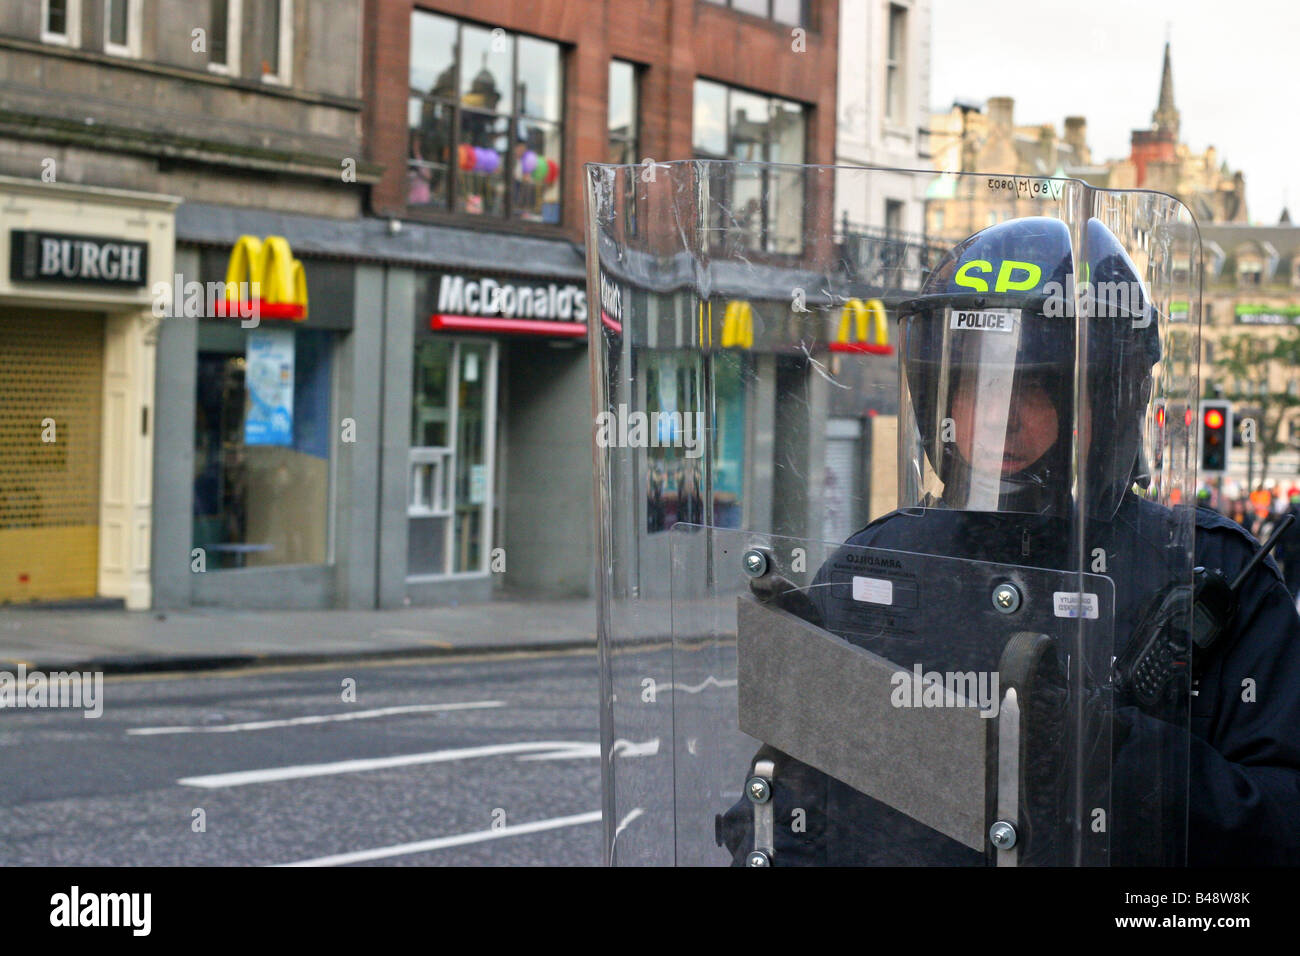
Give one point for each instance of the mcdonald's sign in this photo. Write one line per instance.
(738, 325)
(264, 279)
(852, 335)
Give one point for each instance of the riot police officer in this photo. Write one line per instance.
(1028, 447)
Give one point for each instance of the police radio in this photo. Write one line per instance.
(1155, 657)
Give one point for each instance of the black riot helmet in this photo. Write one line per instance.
(992, 365)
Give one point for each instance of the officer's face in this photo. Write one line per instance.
(1031, 423)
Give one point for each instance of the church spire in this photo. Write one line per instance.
(1165, 118)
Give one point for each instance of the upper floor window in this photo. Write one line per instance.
(624, 116)
(1249, 272)
(276, 33)
(895, 65)
(485, 115)
(624, 127)
(762, 207)
(122, 27)
(223, 36)
(793, 12)
(61, 22)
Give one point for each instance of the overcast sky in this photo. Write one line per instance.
(1236, 66)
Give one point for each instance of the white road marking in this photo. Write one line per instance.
(240, 778)
(439, 843)
(312, 719)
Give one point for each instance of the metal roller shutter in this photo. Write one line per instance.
(51, 367)
(843, 478)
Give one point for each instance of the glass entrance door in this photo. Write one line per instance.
(453, 431)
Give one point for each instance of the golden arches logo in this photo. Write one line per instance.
(281, 282)
(852, 335)
(738, 325)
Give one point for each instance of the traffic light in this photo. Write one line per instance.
(1216, 426)
(1158, 439)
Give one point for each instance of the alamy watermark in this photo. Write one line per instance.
(79, 690)
(947, 689)
(198, 300)
(638, 429)
(129, 910)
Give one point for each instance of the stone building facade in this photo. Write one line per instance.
(969, 138)
(135, 135)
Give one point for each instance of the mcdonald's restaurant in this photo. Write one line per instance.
(77, 390)
(357, 415)
(252, 342)
(735, 347)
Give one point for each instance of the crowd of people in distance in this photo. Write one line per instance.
(1258, 512)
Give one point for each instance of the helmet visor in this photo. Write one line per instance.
(991, 414)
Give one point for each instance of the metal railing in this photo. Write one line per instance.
(887, 258)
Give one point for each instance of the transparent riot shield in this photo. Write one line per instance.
(865, 706)
(914, 395)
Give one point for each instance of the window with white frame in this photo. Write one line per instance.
(895, 65)
(61, 22)
(276, 39)
(122, 27)
(223, 36)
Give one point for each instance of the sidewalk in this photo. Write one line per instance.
(116, 641)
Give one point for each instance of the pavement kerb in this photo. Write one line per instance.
(162, 664)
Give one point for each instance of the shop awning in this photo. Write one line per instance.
(368, 239)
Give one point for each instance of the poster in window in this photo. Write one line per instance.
(477, 484)
(269, 381)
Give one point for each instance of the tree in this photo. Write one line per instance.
(1262, 372)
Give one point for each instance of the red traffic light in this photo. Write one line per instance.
(1213, 418)
(1160, 416)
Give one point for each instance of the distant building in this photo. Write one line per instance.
(1159, 160)
(884, 95)
(968, 138)
(1252, 285)
(883, 109)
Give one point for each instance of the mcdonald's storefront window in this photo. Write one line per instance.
(262, 444)
(676, 456)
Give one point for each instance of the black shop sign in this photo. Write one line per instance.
(86, 260)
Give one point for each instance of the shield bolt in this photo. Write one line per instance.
(1006, 598)
(1003, 835)
(758, 789)
(755, 563)
(757, 858)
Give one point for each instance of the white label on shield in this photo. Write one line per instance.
(991, 320)
(873, 590)
(1072, 604)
